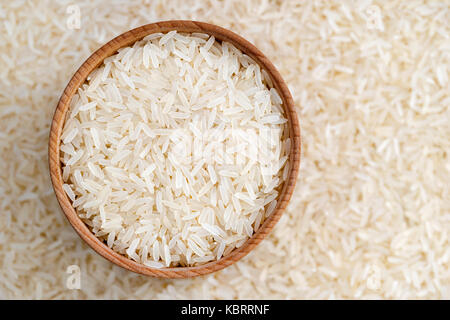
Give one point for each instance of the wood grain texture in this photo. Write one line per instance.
(126, 39)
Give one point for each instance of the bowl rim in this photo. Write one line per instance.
(110, 48)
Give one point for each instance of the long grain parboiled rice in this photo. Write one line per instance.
(345, 117)
(175, 177)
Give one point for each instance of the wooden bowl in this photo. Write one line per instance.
(110, 48)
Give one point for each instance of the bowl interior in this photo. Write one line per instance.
(126, 39)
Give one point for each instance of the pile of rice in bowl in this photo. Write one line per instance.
(175, 149)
